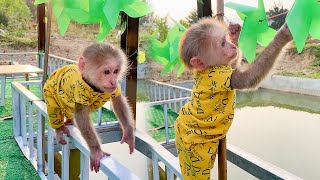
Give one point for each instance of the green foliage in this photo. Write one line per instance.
(18, 15)
(3, 19)
(192, 17)
(18, 42)
(278, 21)
(315, 49)
(184, 23)
(315, 75)
(162, 27)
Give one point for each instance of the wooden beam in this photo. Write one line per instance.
(41, 27)
(222, 159)
(204, 8)
(129, 43)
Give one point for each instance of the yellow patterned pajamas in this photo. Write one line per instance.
(64, 88)
(203, 121)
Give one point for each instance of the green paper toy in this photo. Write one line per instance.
(253, 30)
(304, 18)
(103, 12)
(167, 53)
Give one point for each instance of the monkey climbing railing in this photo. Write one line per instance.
(24, 102)
(162, 93)
(29, 139)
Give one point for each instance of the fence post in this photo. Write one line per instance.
(155, 167)
(16, 112)
(65, 160)
(222, 159)
(50, 153)
(39, 143)
(31, 134)
(165, 117)
(23, 120)
(84, 166)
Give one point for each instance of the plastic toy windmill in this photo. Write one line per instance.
(253, 30)
(167, 53)
(304, 18)
(103, 12)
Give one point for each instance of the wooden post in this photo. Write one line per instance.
(129, 43)
(41, 27)
(222, 159)
(41, 48)
(222, 152)
(220, 9)
(204, 8)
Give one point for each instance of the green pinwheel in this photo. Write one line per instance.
(254, 29)
(167, 53)
(103, 12)
(304, 18)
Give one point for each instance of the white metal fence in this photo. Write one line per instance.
(25, 103)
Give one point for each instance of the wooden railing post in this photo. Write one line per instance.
(222, 159)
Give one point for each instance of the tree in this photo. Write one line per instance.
(32, 7)
(184, 23)
(162, 26)
(3, 20)
(277, 22)
(192, 17)
(18, 15)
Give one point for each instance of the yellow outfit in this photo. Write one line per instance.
(204, 120)
(64, 88)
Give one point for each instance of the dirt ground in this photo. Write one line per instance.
(70, 47)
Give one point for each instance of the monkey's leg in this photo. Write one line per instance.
(196, 160)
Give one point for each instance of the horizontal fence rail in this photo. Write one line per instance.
(20, 58)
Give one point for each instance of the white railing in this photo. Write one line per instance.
(21, 57)
(165, 104)
(159, 154)
(159, 91)
(23, 100)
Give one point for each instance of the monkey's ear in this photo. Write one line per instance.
(81, 63)
(198, 64)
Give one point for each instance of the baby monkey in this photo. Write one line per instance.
(210, 50)
(74, 91)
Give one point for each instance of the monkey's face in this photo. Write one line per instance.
(106, 76)
(224, 51)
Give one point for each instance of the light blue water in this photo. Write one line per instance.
(282, 128)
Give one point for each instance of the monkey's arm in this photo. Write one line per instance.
(251, 75)
(83, 121)
(81, 114)
(125, 117)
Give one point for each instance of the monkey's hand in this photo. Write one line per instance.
(95, 157)
(59, 134)
(234, 32)
(129, 138)
(284, 34)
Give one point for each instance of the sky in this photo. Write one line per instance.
(179, 9)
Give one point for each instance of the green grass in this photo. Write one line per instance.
(13, 164)
(155, 119)
(315, 75)
(7, 109)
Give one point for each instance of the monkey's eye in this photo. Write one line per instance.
(106, 72)
(116, 71)
(223, 43)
